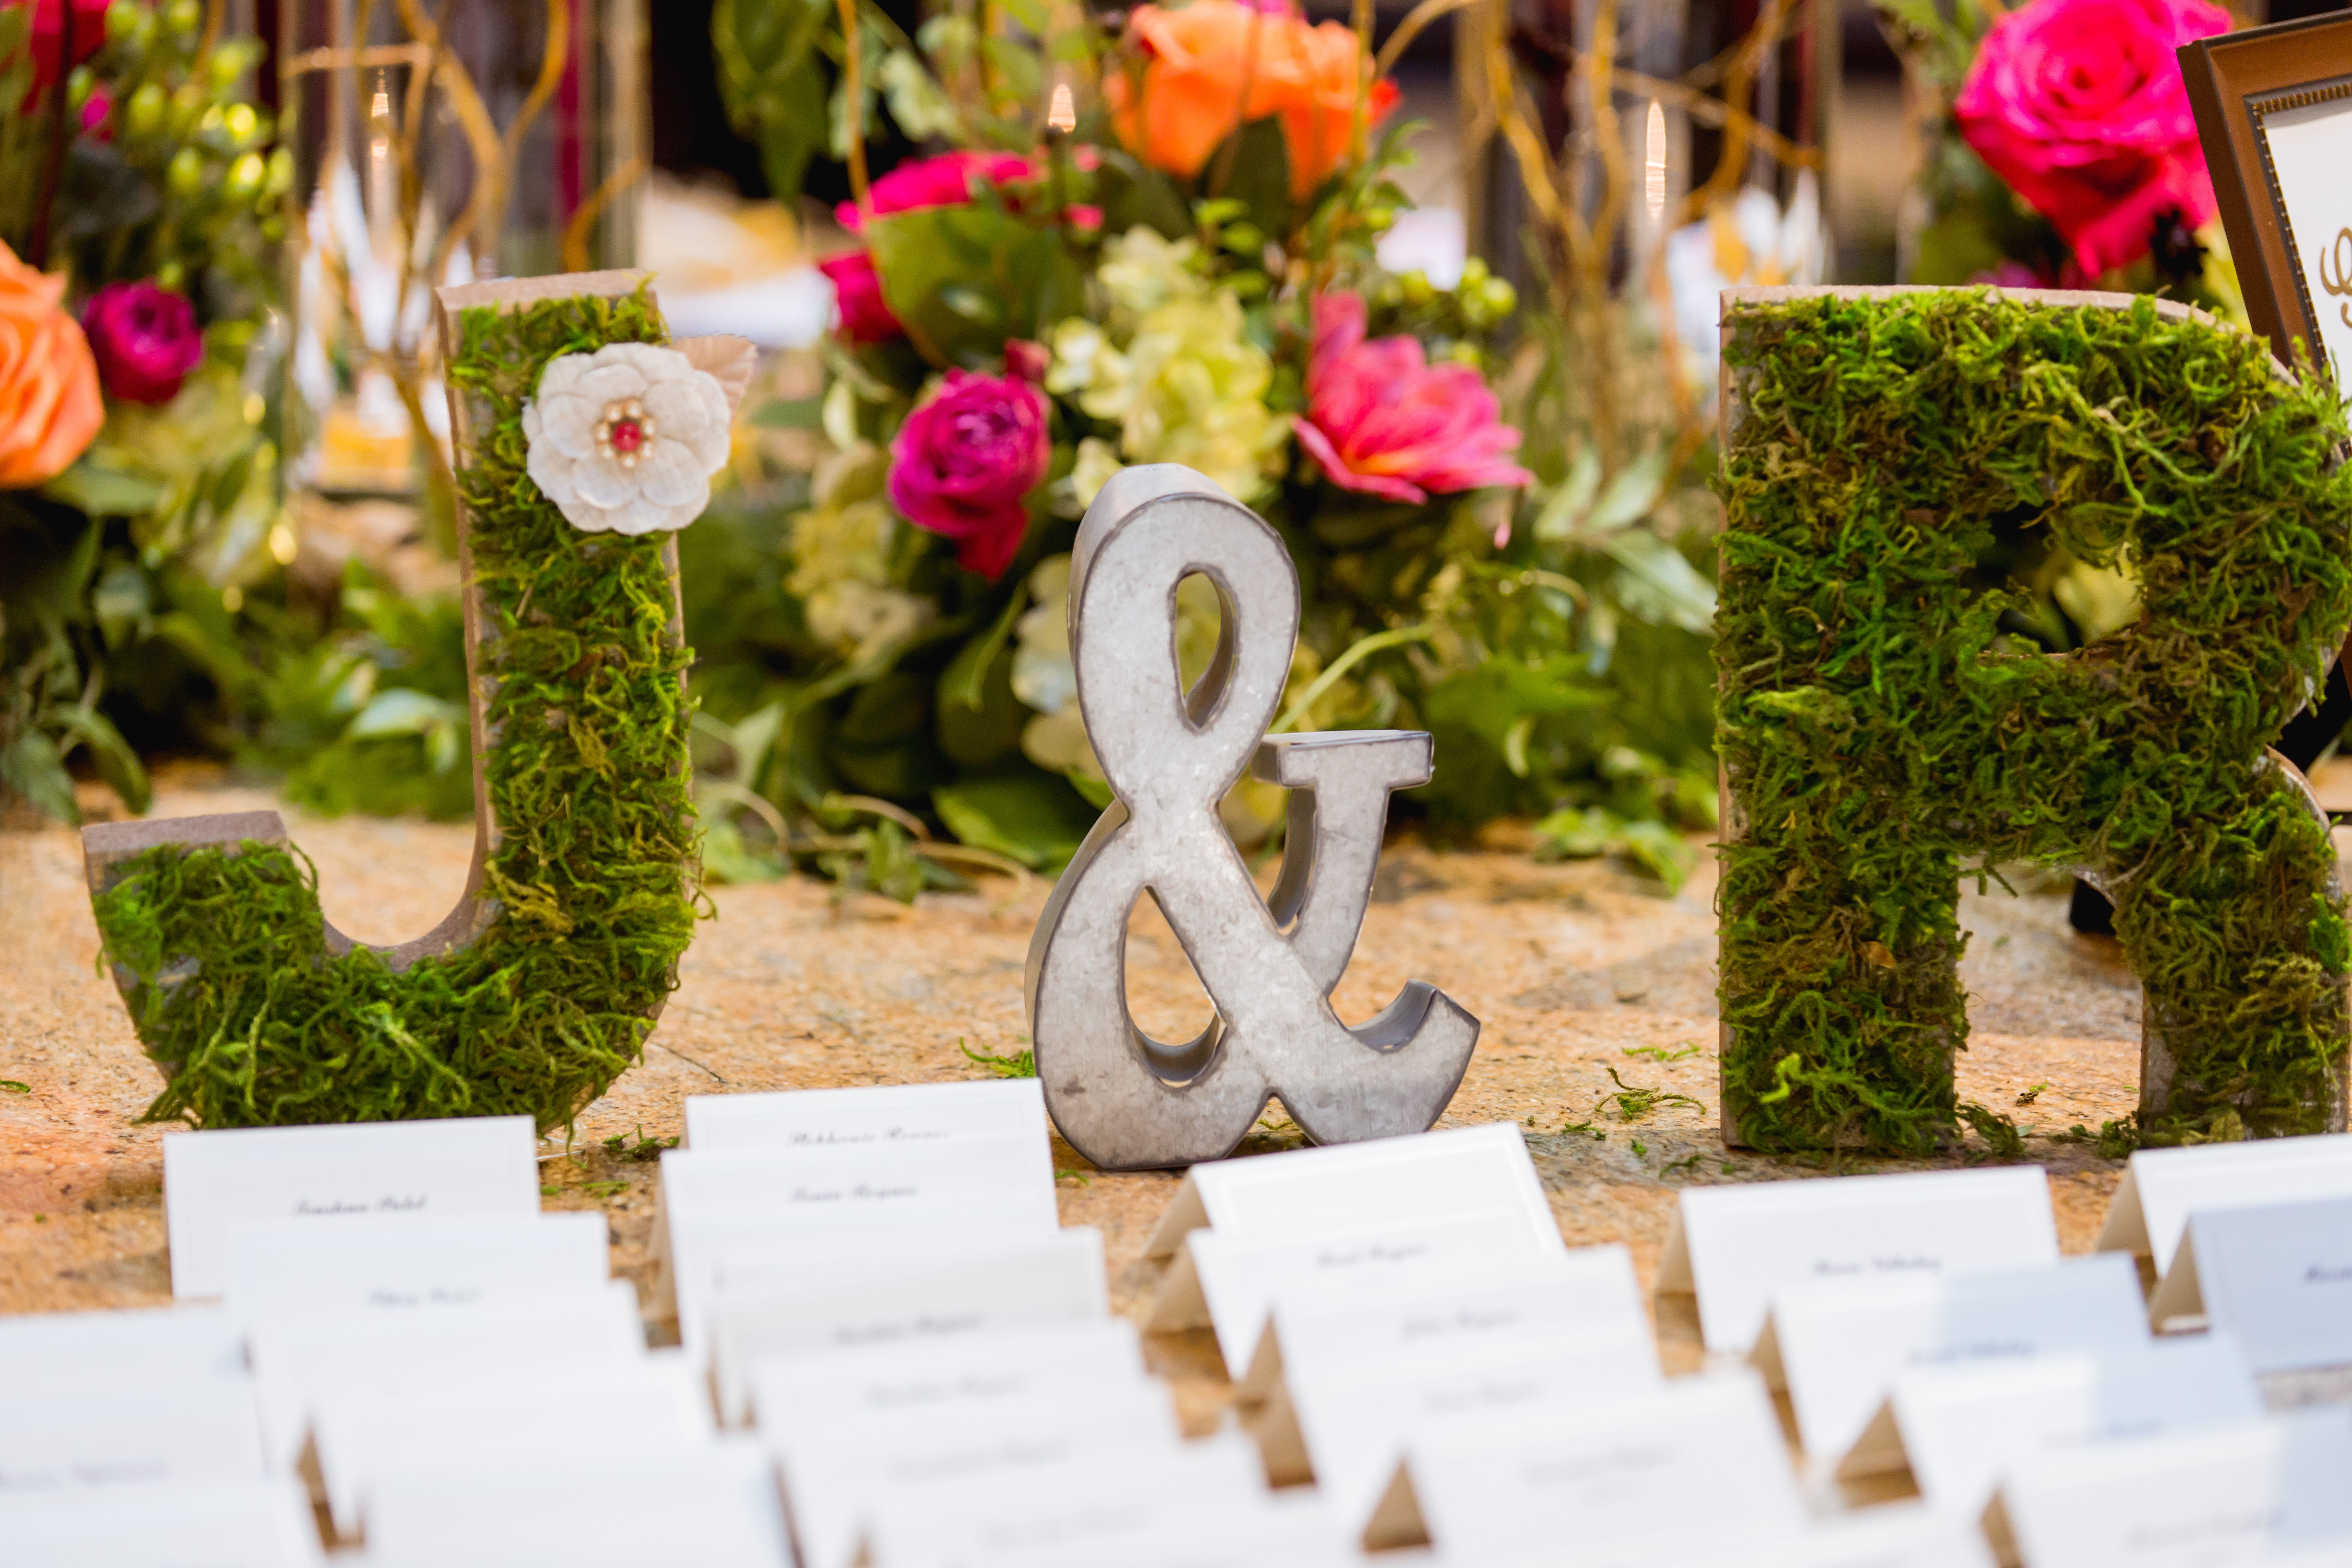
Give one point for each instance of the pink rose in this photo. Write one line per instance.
(2079, 105)
(1382, 421)
(964, 463)
(941, 182)
(865, 316)
(145, 338)
(49, 39)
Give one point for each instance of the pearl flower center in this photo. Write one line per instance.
(624, 431)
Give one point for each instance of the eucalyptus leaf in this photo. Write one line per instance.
(1563, 510)
(404, 711)
(1032, 816)
(1632, 496)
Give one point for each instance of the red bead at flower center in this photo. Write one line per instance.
(627, 435)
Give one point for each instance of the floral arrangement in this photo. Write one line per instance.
(2063, 150)
(1158, 243)
(139, 493)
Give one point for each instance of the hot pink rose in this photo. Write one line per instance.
(941, 182)
(49, 29)
(1382, 421)
(963, 462)
(865, 316)
(144, 338)
(2079, 105)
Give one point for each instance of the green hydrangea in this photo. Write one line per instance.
(841, 558)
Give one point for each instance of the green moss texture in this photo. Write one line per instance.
(1882, 739)
(236, 995)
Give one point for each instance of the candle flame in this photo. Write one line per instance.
(1654, 161)
(1062, 114)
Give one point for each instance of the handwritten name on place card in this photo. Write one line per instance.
(2277, 1279)
(900, 1115)
(373, 1173)
(1734, 1245)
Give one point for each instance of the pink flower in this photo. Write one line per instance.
(145, 338)
(2079, 105)
(964, 463)
(865, 316)
(1383, 422)
(941, 182)
(47, 38)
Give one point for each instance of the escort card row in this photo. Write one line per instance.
(889, 1352)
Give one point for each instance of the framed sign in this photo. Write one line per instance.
(2273, 109)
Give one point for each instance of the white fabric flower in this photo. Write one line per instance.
(624, 440)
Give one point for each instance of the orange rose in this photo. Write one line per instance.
(1196, 61)
(49, 406)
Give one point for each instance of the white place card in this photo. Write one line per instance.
(64, 1354)
(1733, 1247)
(897, 1377)
(280, 1269)
(2162, 1187)
(1288, 1529)
(2226, 1495)
(1570, 1295)
(899, 1116)
(1056, 1279)
(1388, 1179)
(713, 1507)
(1110, 1501)
(1837, 1345)
(370, 1172)
(302, 1362)
(1007, 1179)
(1350, 1425)
(358, 1434)
(1229, 1282)
(1697, 1463)
(2278, 1279)
(250, 1524)
(203, 1431)
(1892, 1535)
(711, 1254)
(1958, 1429)
(835, 1472)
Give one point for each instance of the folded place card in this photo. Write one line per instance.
(1698, 1462)
(281, 1268)
(835, 1472)
(1007, 1175)
(346, 1173)
(657, 1401)
(1107, 1502)
(1958, 1429)
(59, 1354)
(713, 1507)
(1056, 1279)
(2277, 1279)
(2226, 1495)
(247, 1524)
(2161, 1187)
(711, 1254)
(1389, 1179)
(1228, 1282)
(301, 1361)
(1285, 1529)
(1836, 1345)
(1576, 1293)
(1349, 1427)
(1733, 1247)
(798, 1391)
(1893, 1535)
(899, 1116)
(204, 1430)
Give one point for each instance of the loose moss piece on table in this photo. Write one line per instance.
(1882, 739)
(236, 995)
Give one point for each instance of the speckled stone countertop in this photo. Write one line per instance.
(1573, 968)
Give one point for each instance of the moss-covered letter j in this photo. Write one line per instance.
(542, 983)
(1879, 739)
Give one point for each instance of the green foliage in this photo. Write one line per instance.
(1882, 736)
(234, 989)
(1017, 1064)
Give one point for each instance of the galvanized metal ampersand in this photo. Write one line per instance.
(1126, 1100)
